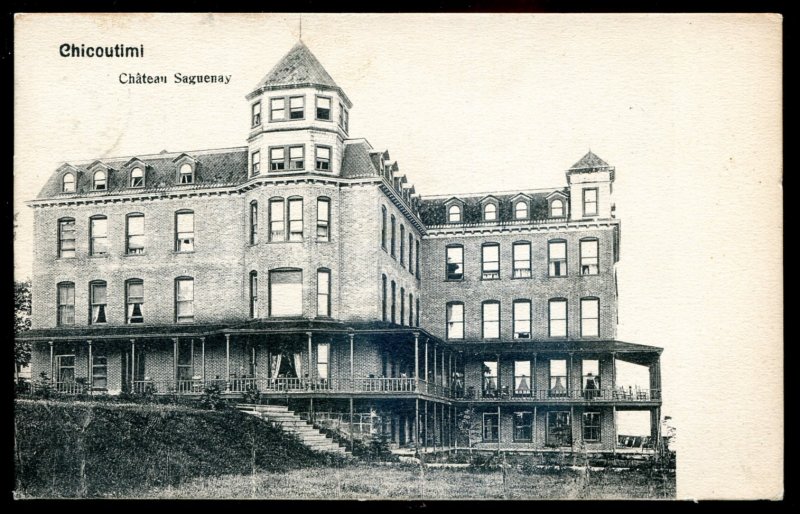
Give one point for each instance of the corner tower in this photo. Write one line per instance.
(590, 185)
(299, 118)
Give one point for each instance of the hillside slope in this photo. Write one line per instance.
(74, 449)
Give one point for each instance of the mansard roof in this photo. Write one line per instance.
(590, 162)
(357, 161)
(433, 210)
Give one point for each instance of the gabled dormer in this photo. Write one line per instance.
(557, 205)
(136, 173)
(521, 207)
(185, 169)
(100, 175)
(590, 182)
(454, 210)
(68, 178)
(490, 209)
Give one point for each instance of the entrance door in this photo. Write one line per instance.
(559, 428)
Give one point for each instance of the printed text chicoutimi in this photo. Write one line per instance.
(118, 50)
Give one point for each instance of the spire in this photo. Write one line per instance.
(590, 161)
(298, 67)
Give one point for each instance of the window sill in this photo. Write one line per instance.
(557, 276)
(65, 258)
(103, 256)
(589, 274)
(521, 278)
(323, 119)
(454, 280)
(143, 254)
(282, 242)
(489, 279)
(176, 252)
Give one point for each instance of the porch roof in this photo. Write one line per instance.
(121, 332)
(606, 346)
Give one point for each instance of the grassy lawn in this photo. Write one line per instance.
(406, 482)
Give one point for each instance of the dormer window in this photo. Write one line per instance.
(557, 209)
(454, 214)
(323, 108)
(68, 183)
(521, 210)
(590, 202)
(137, 177)
(490, 212)
(186, 173)
(255, 114)
(99, 181)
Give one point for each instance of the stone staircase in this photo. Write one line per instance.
(292, 423)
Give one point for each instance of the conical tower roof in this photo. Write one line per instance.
(590, 161)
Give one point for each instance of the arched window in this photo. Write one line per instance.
(402, 244)
(454, 262)
(383, 297)
(134, 231)
(454, 214)
(557, 209)
(253, 294)
(394, 302)
(184, 299)
(455, 320)
(186, 173)
(99, 181)
(323, 292)
(589, 257)
(323, 218)
(184, 231)
(402, 306)
(98, 235)
(392, 253)
(491, 319)
(97, 302)
(557, 257)
(490, 261)
(522, 319)
(134, 301)
(277, 220)
(66, 237)
(590, 317)
(137, 177)
(521, 257)
(253, 222)
(521, 210)
(383, 227)
(66, 303)
(410, 310)
(68, 183)
(557, 316)
(489, 212)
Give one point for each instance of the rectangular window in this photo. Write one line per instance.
(66, 304)
(591, 378)
(522, 319)
(490, 261)
(99, 372)
(410, 252)
(323, 358)
(297, 159)
(277, 109)
(417, 320)
(383, 227)
(255, 114)
(256, 163)
(97, 297)
(416, 265)
(591, 426)
(522, 260)
(277, 159)
(323, 161)
(383, 297)
(323, 219)
(65, 367)
(522, 378)
(402, 306)
(491, 427)
(402, 244)
(590, 317)
(184, 232)
(99, 236)
(455, 321)
(523, 427)
(323, 108)
(590, 202)
(323, 293)
(490, 385)
(66, 238)
(253, 223)
(134, 299)
(559, 429)
(393, 236)
(185, 363)
(491, 320)
(557, 254)
(297, 107)
(295, 219)
(346, 120)
(277, 225)
(184, 300)
(410, 310)
(558, 378)
(341, 115)
(394, 301)
(286, 293)
(135, 234)
(253, 294)
(558, 318)
(455, 262)
(589, 258)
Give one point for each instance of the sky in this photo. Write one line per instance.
(686, 107)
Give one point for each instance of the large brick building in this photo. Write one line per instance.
(304, 265)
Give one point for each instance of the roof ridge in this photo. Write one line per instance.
(161, 155)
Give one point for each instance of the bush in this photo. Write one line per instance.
(252, 395)
(211, 399)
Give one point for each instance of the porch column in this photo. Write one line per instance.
(416, 425)
(90, 371)
(351, 423)
(613, 372)
(655, 380)
(569, 377)
(227, 362)
(571, 426)
(175, 361)
(426, 419)
(416, 366)
(434, 411)
(426, 377)
(442, 377)
(533, 428)
(434, 368)
(133, 365)
(52, 373)
(203, 360)
(310, 372)
(450, 371)
(352, 366)
(533, 379)
(499, 433)
(614, 434)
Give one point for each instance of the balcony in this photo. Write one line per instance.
(561, 395)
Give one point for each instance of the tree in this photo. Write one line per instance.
(470, 425)
(22, 322)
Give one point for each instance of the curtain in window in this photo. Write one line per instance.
(298, 364)
(275, 363)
